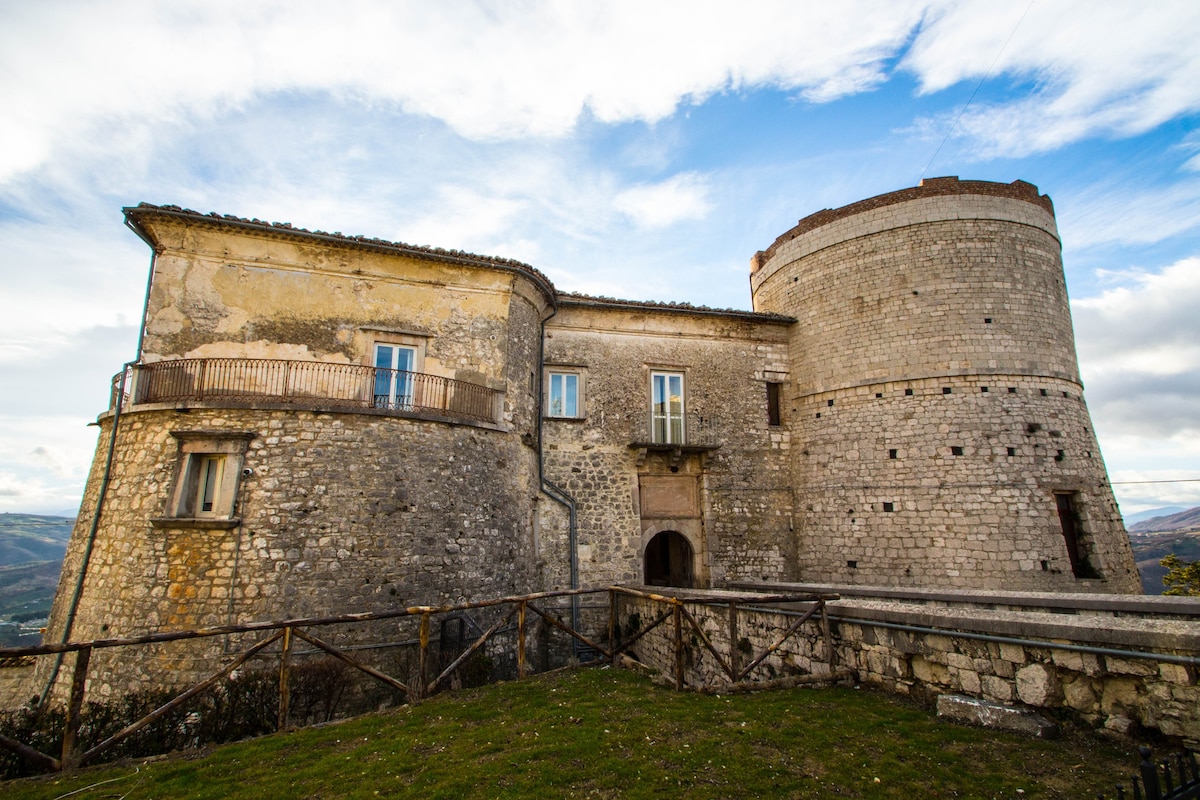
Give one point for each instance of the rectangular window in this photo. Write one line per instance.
(773, 392)
(563, 397)
(393, 376)
(207, 477)
(666, 407)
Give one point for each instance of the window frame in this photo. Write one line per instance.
(668, 435)
(565, 372)
(402, 391)
(195, 481)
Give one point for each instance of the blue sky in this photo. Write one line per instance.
(633, 149)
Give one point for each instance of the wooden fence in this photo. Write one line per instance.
(515, 612)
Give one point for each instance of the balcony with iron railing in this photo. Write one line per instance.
(693, 434)
(313, 385)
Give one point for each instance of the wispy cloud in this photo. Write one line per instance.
(1114, 213)
(658, 205)
(1094, 67)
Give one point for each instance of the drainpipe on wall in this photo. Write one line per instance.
(552, 491)
(77, 592)
(126, 370)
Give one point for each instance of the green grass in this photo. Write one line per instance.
(608, 733)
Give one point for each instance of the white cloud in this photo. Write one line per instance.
(1097, 67)
(487, 70)
(62, 279)
(657, 205)
(1139, 352)
(45, 461)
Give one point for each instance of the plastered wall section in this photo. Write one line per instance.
(745, 499)
(1117, 692)
(224, 292)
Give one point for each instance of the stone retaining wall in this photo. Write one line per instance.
(944, 650)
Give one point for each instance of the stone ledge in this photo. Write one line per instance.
(194, 523)
(1173, 636)
(1055, 602)
(973, 711)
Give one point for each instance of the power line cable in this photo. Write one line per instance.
(986, 75)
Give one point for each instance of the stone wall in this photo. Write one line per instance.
(935, 407)
(737, 469)
(340, 512)
(945, 649)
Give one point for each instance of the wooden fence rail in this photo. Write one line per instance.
(285, 632)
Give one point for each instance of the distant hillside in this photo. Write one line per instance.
(27, 590)
(1142, 516)
(1188, 520)
(31, 537)
(1150, 548)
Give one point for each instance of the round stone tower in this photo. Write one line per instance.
(939, 432)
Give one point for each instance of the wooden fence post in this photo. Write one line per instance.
(74, 708)
(735, 660)
(521, 640)
(285, 674)
(612, 625)
(423, 661)
(678, 645)
(826, 634)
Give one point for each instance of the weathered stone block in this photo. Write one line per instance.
(973, 711)
(1038, 685)
(1130, 666)
(996, 688)
(1119, 694)
(1079, 695)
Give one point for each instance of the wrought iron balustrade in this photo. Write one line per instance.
(312, 384)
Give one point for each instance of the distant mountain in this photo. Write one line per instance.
(31, 555)
(1188, 520)
(31, 537)
(1150, 548)
(1142, 516)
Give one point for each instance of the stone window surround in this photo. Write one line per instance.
(194, 447)
(402, 337)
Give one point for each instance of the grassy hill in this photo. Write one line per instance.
(608, 733)
(31, 537)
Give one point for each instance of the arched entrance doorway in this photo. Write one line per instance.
(668, 560)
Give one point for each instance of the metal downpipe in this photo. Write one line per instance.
(554, 492)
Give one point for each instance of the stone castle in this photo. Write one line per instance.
(318, 423)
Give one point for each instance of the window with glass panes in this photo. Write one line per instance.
(666, 407)
(563, 395)
(393, 375)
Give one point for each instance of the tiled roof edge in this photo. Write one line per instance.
(574, 299)
(287, 229)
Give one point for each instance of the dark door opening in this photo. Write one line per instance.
(668, 560)
(1068, 518)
